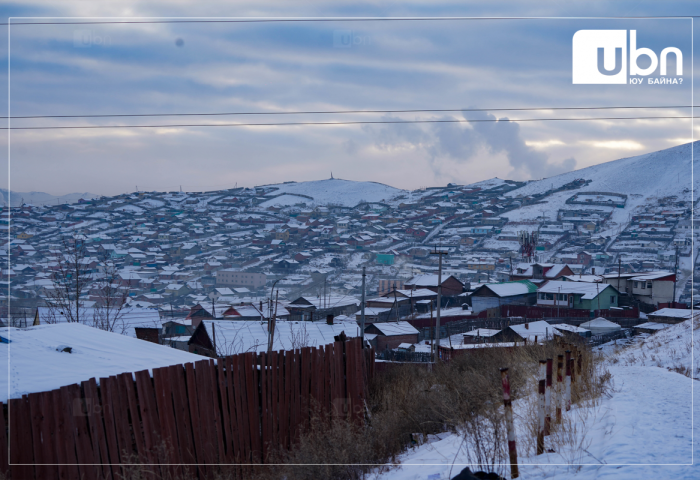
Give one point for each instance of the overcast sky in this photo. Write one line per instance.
(308, 66)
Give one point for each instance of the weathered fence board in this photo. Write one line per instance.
(237, 410)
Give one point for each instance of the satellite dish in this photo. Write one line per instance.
(214, 295)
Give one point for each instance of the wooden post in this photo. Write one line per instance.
(512, 451)
(548, 398)
(567, 385)
(540, 423)
(541, 407)
(558, 390)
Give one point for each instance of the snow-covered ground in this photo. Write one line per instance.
(642, 430)
(335, 191)
(34, 360)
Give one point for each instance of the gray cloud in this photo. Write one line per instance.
(464, 142)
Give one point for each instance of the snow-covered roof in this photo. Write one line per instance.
(37, 366)
(510, 289)
(570, 328)
(600, 322)
(395, 328)
(586, 289)
(539, 329)
(481, 332)
(672, 312)
(234, 336)
(653, 326)
(427, 280)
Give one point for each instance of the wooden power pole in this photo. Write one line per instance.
(436, 345)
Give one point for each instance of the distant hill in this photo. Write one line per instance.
(347, 193)
(41, 198)
(644, 179)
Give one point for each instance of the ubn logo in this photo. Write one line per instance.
(600, 57)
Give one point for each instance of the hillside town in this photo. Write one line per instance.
(156, 265)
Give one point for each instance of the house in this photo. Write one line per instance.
(309, 308)
(232, 337)
(601, 326)
(540, 271)
(672, 315)
(238, 278)
(493, 295)
(531, 332)
(572, 331)
(578, 295)
(390, 335)
(650, 327)
(450, 285)
(480, 335)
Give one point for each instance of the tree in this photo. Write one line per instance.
(70, 281)
(111, 298)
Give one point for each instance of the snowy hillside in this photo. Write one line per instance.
(643, 178)
(41, 198)
(641, 429)
(332, 191)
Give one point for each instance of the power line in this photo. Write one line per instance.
(339, 19)
(92, 127)
(311, 112)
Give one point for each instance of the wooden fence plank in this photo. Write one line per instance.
(216, 410)
(86, 456)
(242, 401)
(121, 420)
(288, 416)
(194, 416)
(20, 439)
(97, 432)
(272, 397)
(182, 415)
(206, 415)
(304, 395)
(4, 460)
(37, 421)
(164, 405)
(69, 430)
(296, 395)
(66, 468)
(253, 414)
(124, 431)
(235, 423)
(225, 420)
(149, 417)
(349, 383)
(279, 399)
(127, 382)
(264, 417)
(110, 427)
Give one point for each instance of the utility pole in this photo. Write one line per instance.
(619, 273)
(362, 312)
(675, 279)
(436, 346)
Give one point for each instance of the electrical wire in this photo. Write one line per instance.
(380, 122)
(324, 112)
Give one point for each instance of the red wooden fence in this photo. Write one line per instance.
(236, 410)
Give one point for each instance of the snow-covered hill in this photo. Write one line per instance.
(643, 178)
(332, 191)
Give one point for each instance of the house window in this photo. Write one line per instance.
(644, 285)
(649, 285)
(612, 299)
(549, 296)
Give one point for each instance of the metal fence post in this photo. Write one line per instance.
(548, 398)
(508, 407)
